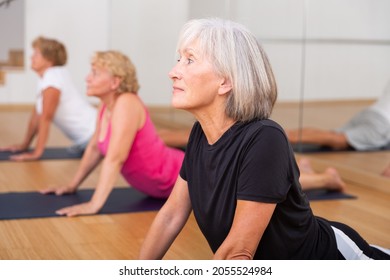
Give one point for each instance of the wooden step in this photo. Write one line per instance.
(2, 77)
(16, 58)
(15, 61)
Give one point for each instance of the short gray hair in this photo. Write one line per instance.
(236, 55)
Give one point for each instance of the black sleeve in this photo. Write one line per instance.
(265, 172)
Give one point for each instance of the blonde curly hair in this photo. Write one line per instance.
(118, 65)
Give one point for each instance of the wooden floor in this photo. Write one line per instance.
(119, 236)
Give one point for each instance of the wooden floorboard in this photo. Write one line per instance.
(119, 236)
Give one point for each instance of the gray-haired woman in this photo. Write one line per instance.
(239, 175)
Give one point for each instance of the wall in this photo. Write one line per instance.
(345, 43)
(320, 50)
(11, 35)
(147, 30)
(81, 24)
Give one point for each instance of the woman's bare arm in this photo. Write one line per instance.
(168, 223)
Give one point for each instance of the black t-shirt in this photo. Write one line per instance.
(254, 161)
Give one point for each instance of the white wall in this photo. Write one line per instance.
(11, 36)
(345, 43)
(147, 30)
(82, 25)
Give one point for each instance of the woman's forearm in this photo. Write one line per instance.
(32, 130)
(168, 223)
(107, 178)
(43, 135)
(161, 234)
(89, 162)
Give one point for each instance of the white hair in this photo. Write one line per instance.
(237, 56)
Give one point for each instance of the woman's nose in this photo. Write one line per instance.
(175, 72)
(87, 78)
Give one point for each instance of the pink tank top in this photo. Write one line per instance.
(151, 167)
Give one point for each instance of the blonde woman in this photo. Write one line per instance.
(125, 139)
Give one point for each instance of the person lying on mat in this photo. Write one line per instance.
(125, 139)
(239, 175)
(58, 101)
(367, 130)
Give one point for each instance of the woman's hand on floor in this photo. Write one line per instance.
(87, 208)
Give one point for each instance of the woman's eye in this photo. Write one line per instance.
(184, 59)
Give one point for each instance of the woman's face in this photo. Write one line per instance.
(195, 83)
(38, 63)
(100, 82)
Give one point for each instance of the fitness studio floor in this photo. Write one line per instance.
(119, 236)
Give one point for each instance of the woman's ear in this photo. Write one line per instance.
(225, 87)
(116, 81)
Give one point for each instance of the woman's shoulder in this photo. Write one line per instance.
(258, 125)
(261, 131)
(129, 100)
(129, 97)
(130, 105)
(55, 72)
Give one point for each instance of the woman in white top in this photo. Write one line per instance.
(58, 101)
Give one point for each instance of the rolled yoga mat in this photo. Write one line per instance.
(23, 205)
(49, 153)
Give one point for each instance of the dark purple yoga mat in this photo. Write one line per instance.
(323, 194)
(49, 153)
(306, 148)
(23, 205)
(313, 148)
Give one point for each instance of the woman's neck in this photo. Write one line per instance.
(214, 126)
(42, 71)
(109, 101)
